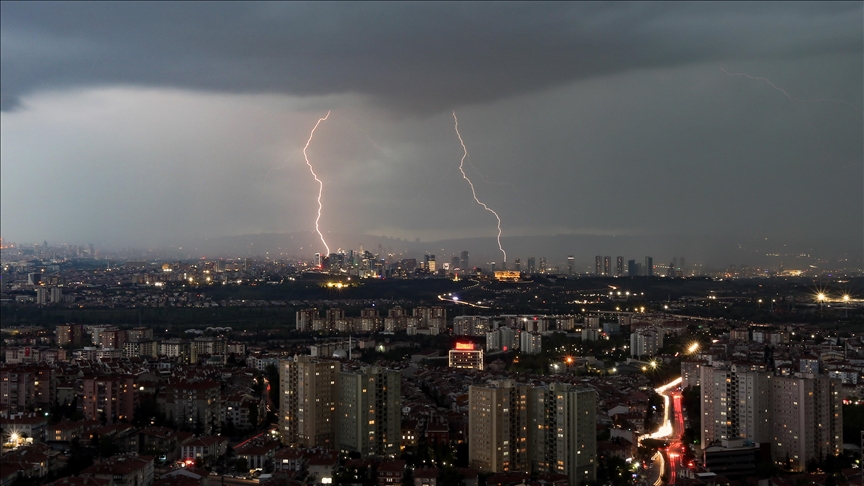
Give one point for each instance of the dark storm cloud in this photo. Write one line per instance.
(414, 56)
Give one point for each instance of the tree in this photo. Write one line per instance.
(241, 465)
(253, 414)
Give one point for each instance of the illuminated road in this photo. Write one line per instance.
(670, 429)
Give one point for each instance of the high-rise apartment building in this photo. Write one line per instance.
(646, 341)
(801, 415)
(736, 403)
(70, 334)
(607, 266)
(109, 398)
(305, 317)
(598, 265)
(308, 401)
(619, 266)
(808, 419)
(498, 426)
(632, 270)
(369, 411)
(570, 261)
(531, 265)
(551, 428)
(562, 435)
(195, 406)
(517, 265)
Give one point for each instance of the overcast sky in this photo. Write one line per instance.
(147, 123)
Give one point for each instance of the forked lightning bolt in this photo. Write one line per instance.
(473, 192)
(320, 184)
(769, 83)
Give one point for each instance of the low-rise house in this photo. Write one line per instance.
(391, 472)
(206, 448)
(124, 470)
(258, 454)
(426, 476)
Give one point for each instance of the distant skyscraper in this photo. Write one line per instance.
(598, 265)
(570, 260)
(517, 265)
(542, 264)
(649, 267)
(619, 266)
(464, 263)
(531, 265)
(430, 263)
(607, 266)
(682, 267)
(316, 261)
(631, 268)
(454, 262)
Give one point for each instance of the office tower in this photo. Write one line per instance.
(517, 265)
(648, 270)
(570, 260)
(463, 260)
(308, 401)
(41, 295)
(454, 262)
(562, 434)
(542, 264)
(316, 260)
(370, 411)
(430, 263)
(497, 426)
(465, 356)
(531, 268)
(619, 266)
(632, 270)
(598, 265)
(607, 266)
(808, 419)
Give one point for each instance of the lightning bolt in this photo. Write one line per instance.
(473, 192)
(320, 184)
(769, 83)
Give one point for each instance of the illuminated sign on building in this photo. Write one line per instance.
(464, 345)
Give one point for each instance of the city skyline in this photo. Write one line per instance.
(703, 123)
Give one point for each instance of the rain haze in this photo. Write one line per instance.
(674, 128)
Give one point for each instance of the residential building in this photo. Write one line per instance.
(369, 411)
(308, 401)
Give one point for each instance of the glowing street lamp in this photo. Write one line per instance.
(693, 348)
